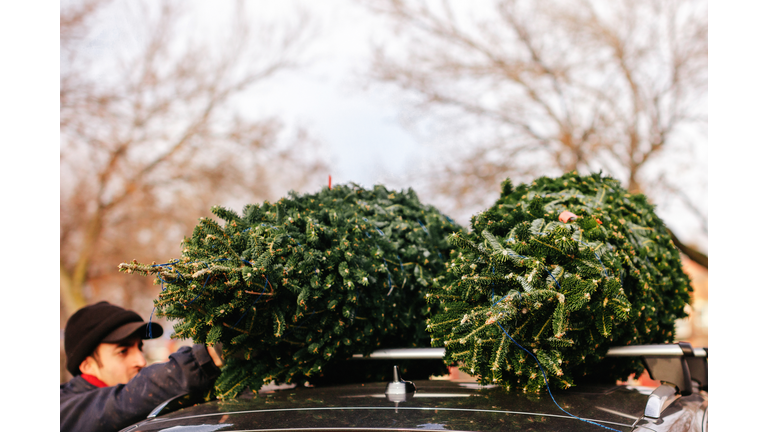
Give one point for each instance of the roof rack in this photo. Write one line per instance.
(677, 364)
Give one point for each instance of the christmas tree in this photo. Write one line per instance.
(292, 287)
(564, 268)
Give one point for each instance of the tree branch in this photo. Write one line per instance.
(690, 251)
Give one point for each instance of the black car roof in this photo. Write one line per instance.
(436, 404)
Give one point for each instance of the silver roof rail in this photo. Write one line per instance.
(661, 350)
(404, 354)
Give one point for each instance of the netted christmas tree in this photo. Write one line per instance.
(566, 268)
(292, 287)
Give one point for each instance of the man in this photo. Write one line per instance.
(112, 388)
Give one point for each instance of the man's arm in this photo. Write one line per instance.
(191, 369)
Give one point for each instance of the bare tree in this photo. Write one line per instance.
(151, 137)
(543, 87)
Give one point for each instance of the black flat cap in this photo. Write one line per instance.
(101, 322)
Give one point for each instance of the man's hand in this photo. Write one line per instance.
(215, 353)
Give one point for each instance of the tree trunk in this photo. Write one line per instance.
(71, 296)
(72, 282)
(690, 252)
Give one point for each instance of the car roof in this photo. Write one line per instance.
(680, 403)
(435, 405)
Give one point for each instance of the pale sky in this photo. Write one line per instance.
(367, 142)
(360, 128)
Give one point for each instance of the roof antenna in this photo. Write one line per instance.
(399, 389)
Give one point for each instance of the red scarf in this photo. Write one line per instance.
(93, 380)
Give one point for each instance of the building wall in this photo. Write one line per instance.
(694, 329)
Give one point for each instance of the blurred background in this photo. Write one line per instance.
(170, 107)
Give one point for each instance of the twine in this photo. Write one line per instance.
(546, 381)
(201, 291)
(376, 228)
(149, 325)
(266, 281)
(544, 374)
(314, 311)
(422, 226)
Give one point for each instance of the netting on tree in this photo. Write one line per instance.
(293, 286)
(565, 267)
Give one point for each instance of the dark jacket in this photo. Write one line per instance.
(85, 407)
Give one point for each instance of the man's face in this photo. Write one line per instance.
(117, 363)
